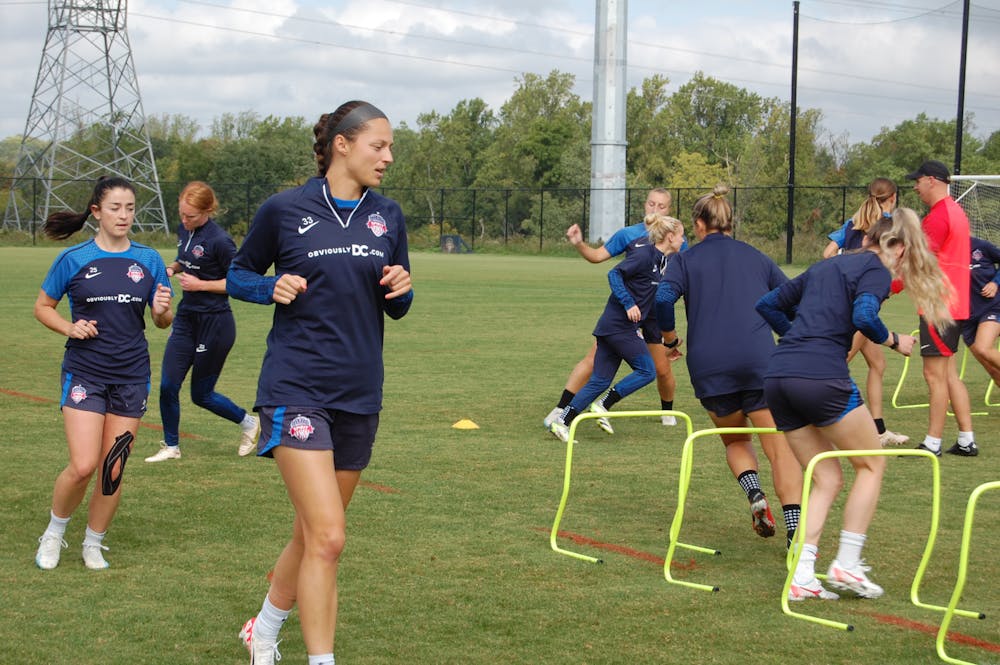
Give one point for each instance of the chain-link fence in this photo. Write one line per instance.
(535, 220)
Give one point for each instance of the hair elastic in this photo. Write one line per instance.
(359, 115)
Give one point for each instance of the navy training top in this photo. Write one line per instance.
(206, 253)
(633, 282)
(816, 345)
(728, 343)
(114, 289)
(982, 271)
(325, 348)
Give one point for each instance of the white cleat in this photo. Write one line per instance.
(552, 417)
(50, 547)
(165, 452)
(93, 557)
(603, 423)
(248, 436)
(669, 421)
(811, 590)
(853, 579)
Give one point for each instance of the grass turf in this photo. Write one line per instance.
(448, 558)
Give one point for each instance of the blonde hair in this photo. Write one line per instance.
(879, 191)
(658, 226)
(926, 285)
(714, 210)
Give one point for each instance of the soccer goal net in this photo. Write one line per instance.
(979, 196)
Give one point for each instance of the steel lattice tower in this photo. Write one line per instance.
(85, 120)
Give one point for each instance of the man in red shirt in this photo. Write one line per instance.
(947, 229)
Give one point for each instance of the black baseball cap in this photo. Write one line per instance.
(932, 168)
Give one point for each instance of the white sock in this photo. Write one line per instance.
(806, 570)
(248, 421)
(57, 525)
(321, 659)
(932, 443)
(93, 537)
(966, 439)
(269, 621)
(849, 553)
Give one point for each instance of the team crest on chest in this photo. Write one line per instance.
(977, 255)
(78, 394)
(198, 251)
(376, 224)
(301, 428)
(135, 273)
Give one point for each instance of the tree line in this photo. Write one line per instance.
(479, 171)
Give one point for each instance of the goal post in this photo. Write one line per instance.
(979, 196)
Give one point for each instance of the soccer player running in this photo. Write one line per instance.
(947, 229)
(658, 202)
(341, 262)
(881, 201)
(728, 348)
(618, 330)
(204, 330)
(809, 389)
(109, 282)
(981, 329)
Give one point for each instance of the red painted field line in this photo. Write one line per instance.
(46, 400)
(379, 488)
(620, 549)
(958, 638)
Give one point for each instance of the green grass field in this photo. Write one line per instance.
(448, 559)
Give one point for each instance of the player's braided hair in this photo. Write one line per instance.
(338, 122)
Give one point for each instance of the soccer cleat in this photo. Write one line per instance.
(165, 452)
(669, 421)
(970, 450)
(263, 654)
(248, 437)
(552, 417)
(603, 423)
(560, 431)
(93, 558)
(923, 447)
(246, 632)
(853, 579)
(760, 512)
(811, 590)
(50, 547)
(890, 438)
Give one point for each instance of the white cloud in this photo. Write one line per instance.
(203, 58)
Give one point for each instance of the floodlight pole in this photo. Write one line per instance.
(790, 224)
(959, 121)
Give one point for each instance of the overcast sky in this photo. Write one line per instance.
(866, 64)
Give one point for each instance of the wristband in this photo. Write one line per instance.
(895, 341)
(673, 344)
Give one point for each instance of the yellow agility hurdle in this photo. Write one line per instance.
(569, 467)
(961, 375)
(795, 552)
(687, 463)
(963, 565)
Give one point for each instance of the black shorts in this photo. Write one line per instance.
(651, 333)
(351, 436)
(746, 401)
(127, 400)
(939, 343)
(796, 402)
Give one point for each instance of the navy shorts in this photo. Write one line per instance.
(746, 401)
(127, 400)
(651, 333)
(797, 402)
(937, 343)
(971, 326)
(350, 436)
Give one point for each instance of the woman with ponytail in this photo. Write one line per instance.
(881, 201)
(340, 265)
(109, 282)
(810, 391)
